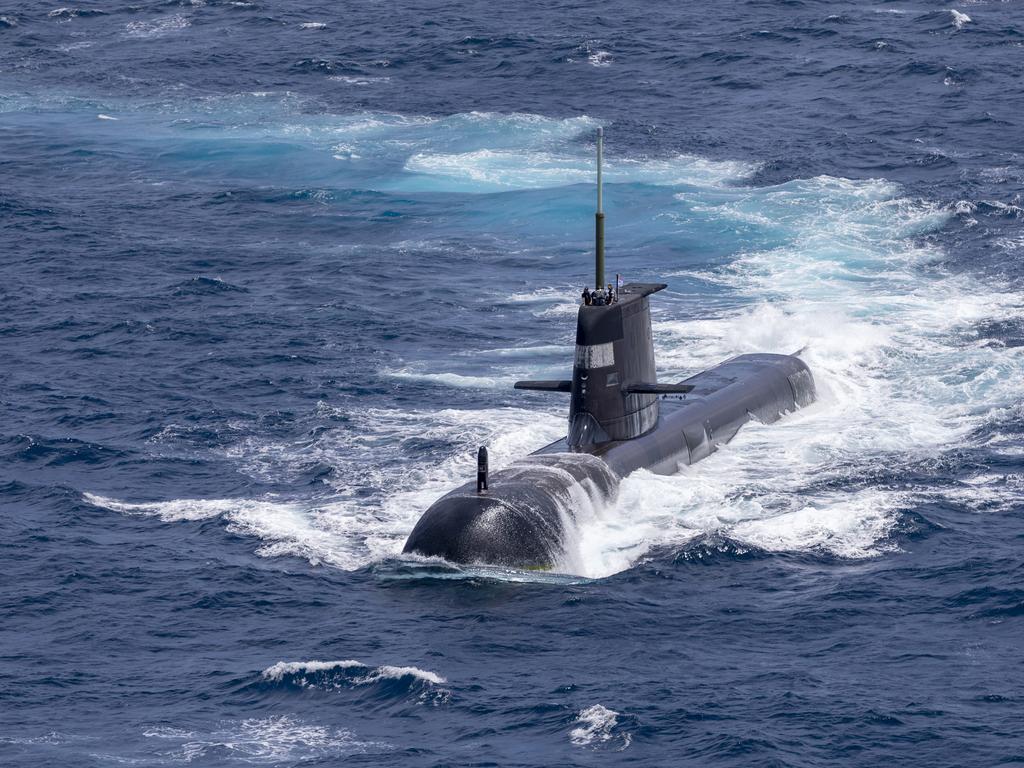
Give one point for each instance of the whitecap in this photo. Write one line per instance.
(595, 727)
(312, 25)
(959, 18)
(283, 669)
(397, 673)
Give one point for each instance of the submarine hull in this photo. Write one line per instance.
(523, 519)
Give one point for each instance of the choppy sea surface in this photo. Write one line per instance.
(268, 271)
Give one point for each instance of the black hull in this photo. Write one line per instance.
(523, 519)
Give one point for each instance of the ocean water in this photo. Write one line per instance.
(268, 271)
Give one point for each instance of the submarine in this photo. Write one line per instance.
(621, 419)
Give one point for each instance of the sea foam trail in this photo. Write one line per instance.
(472, 152)
(282, 739)
(889, 339)
(374, 506)
(496, 170)
(838, 268)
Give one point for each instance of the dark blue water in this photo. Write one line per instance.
(268, 273)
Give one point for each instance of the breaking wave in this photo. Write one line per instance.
(386, 685)
(598, 726)
(354, 671)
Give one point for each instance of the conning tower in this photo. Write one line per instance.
(614, 360)
(614, 380)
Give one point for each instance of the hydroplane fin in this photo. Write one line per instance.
(545, 386)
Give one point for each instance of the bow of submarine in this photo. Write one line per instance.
(521, 521)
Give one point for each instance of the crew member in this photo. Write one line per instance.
(586, 297)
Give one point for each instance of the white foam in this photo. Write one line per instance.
(270, 740)
(278, 671)
(884, 334)
(397, 673)
(563, 352)
(959, 18)
(350, 530)
(52, 738)
(600, 59)
(491, 169)
(1010, 243)
(852, 525)
(312, 25)
(361, 81)
(177, 510)
(595, 727)
(105, 117)
(156, 27)
(448, 379)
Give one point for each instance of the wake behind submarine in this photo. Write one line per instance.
(620, 419)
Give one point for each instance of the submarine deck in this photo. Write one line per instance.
(692, 425)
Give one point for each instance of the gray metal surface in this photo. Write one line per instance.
(523, 518)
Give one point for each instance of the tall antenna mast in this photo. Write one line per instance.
(599, 216)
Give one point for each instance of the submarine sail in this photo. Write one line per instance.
(620, 419)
